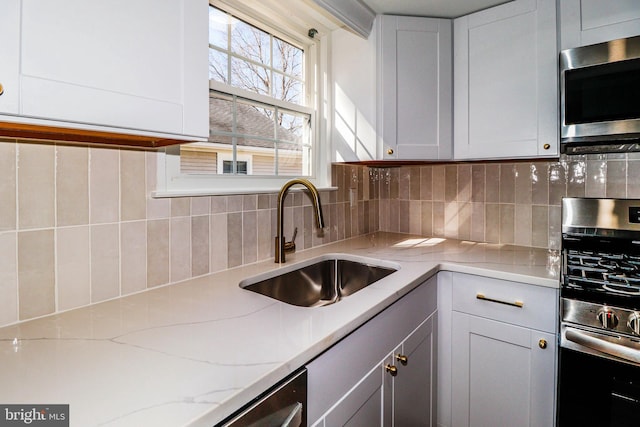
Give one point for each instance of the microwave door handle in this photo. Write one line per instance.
(606, 347)
(294, 419)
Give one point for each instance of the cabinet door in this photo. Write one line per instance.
(126, 64)
(333, 374)
(409, 395)
(414, 102)
(505, 79)
(9, 52)
(585, 22)
(361, 406)
(502, 375)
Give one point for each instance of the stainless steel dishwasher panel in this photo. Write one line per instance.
(285, 405)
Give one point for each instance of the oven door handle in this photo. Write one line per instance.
(595, 342)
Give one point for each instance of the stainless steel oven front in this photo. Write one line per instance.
(599, 357)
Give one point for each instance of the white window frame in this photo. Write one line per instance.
(172, 183)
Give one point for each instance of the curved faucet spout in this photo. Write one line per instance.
(315, 200)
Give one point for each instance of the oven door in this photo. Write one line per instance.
(594, 389)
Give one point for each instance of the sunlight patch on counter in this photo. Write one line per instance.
(418, 243)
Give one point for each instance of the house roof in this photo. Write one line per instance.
(250, 121)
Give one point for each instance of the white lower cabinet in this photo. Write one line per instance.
(503, 374)
(383, 374)
(502, 353)
(408, 396)
(360, 407)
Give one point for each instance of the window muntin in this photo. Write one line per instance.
(256, 103)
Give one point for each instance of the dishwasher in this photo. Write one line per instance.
(282, 406)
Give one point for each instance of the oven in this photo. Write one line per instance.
(599, 356)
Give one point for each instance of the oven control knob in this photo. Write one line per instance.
(634, 322)
(608, 318)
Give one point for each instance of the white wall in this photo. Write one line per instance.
(353, 94)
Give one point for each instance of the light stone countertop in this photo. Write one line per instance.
(193, 353)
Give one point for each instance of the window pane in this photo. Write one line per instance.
(293, 127)
(287, 89)
(227, 166)
(241, 167)
(290, 159)
(255, 119)
(249, 76)
(262, 154)
(220, 113)
(250, 42)
(218, 28)
(197, 158)
(288, 58)
(218, 66)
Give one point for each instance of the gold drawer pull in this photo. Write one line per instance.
(518, 304)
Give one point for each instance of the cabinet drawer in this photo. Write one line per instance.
(516, 303)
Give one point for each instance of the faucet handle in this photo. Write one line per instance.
(291, 246)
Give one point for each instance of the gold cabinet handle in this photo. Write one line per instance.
(391, 369)
(402, 359)
(546, 146)
(390, 151)
(518, 304)
(1, 89)
(542, 344)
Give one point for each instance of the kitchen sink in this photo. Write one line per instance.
(320, 281)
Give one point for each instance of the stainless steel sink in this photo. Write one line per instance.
(320, 281)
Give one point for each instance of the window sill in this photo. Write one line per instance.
(229, 192)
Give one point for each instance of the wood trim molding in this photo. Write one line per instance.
(82, 136)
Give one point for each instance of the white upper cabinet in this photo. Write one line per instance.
(116, 66)
(505, 79)
(585, 22)
(10, 54)
(414, 96)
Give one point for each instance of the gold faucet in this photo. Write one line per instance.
(281, 244)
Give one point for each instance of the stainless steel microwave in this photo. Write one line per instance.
(600, 97)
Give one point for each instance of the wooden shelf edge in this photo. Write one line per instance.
(82, 136)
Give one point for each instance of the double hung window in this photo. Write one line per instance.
(261, 109)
